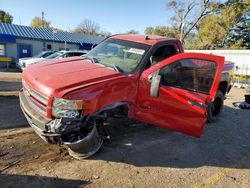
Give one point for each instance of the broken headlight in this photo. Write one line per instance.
(66, 108)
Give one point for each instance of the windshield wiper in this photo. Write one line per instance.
(116, 68)
(92, 59)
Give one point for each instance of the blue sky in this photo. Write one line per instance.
(116, 16)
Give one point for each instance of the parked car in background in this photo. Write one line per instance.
(63, 54)
(55, 55)
(22, 62)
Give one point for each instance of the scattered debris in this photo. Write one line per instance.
(10, 137)
(128, 144)
(33, 142)
(245, 104)
(9, 165)
(3, 154)
(63, 151)
(36, 156)
(96, 177)
(242, 105)
(12, 146)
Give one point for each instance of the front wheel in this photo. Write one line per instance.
(215, 108)
(82, 147)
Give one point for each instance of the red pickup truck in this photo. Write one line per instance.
(146, 78)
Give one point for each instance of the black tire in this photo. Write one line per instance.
(215, 108)
(87, 146)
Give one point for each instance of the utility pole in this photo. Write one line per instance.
(20, 23)
(42, 18)
(53, 31)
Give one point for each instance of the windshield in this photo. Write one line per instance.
(122, 55)
(43, 54)
(54, 55)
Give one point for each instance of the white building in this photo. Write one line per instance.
(18, 41)
(241, 58)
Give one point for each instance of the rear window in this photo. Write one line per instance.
(79, 53)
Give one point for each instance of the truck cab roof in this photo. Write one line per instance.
(145, 39)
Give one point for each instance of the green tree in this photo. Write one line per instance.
(5, 17)
(37, 22)
(239, 36)
(214, 30)
(149, 31)
(166, 31)
(132, 31)
(192, 41)
(162, 31)
(187, 14)
(88, 27)
(56, 30)
(105, 33)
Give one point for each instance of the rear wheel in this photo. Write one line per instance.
(215, 108)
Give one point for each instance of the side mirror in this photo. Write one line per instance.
(151, 60)
(155, 84)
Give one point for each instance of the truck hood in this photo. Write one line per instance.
(58, 77)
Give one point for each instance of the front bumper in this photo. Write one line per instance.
(44, 126)
(20, 65)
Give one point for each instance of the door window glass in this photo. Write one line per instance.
(190, 74)
(162, 53)
(69, 54)
(78, 53)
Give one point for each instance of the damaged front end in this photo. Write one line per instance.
(59, 128)
(80, 134)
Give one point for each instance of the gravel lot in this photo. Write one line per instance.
(137, 155)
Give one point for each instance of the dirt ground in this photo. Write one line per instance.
(137, 155)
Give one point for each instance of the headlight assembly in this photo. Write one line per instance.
(66, 108)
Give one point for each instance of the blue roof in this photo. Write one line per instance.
(7, 38)
(47, 34)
